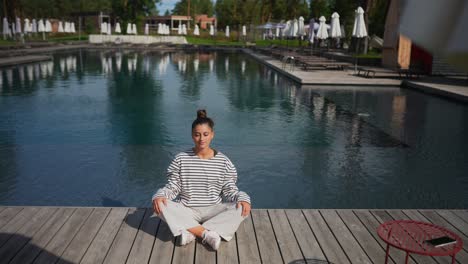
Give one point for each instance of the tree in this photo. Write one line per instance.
(197, 7)
(321, 8)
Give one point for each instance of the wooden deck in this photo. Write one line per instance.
(132, 235)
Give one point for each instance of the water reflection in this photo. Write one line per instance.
(124, 114)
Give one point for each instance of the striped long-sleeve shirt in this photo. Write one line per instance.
(201, 182)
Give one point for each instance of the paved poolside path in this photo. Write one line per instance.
(132, 235)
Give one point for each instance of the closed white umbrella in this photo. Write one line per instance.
(179, 29)
(287, 28)
(34, 26)
(196, 31)
(227, 31)
(211, 30)
(26, 26)
(117, 28)
(104, 27)
(146, 29)
(134, 29)
(18, 25)
(311, 30)
(109, 29)
(67, 27)
(244, 31)
(129, 29)
(335, 31)
(40, 26)
(72, 26)
(6, 28)
(322, 32)
(60, 27)
(301, 31)
(48, 26)
(359, 29)
(277, 31)
(184, 29)
(295, 28)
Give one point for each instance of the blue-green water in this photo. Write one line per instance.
(99, 128)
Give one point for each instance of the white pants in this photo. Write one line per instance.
(222, 218)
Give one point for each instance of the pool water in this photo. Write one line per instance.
(99, 128)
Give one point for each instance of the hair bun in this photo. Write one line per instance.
(201, 113)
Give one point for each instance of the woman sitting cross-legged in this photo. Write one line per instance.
(209, 205)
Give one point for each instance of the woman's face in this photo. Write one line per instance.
(202, 136)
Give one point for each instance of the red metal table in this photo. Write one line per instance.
(409, 236)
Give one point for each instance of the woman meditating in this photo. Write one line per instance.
(209, 204)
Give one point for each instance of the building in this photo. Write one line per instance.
(204, 21)
(400, 51)
(173, 21)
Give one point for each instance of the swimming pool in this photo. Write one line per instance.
(98, 128)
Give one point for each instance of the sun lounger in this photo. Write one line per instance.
(366, 72)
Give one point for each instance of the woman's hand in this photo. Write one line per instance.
(157, 204)
(245, 208)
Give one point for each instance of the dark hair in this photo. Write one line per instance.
(202, 119)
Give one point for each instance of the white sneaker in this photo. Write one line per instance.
(186, 237)
(211, 238)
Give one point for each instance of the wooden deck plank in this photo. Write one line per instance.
(204, 254)
(100, 246)
(463, 214)
(39, 240)
(70, 235)
(60, 241)
(163, 245)
(307, 242)
(462, 255)
(269, 251)
(16, 223)
(141, 249)
(456, 221)
(332, 249)
(247, 242)
(352, 248)
(227, 252)
(373, 250)
(78, 246)
(183, 254)
(7, 214)
(287, 242)
(372, 223)
(120, 248)
(24, 234)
